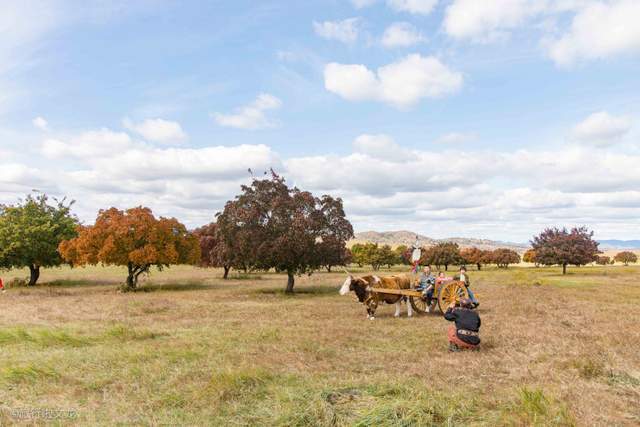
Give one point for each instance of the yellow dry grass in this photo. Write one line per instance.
(194, 349)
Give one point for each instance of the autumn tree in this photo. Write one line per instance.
(603, 260)
(503, 257)
(443, 253)
(473, 256)
(626, 257)
(563, 247)
(283, 228)
(134, 238)
(530, 257)
(333, 253)
(31, 231)
(214, 252)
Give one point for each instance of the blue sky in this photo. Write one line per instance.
(442, 117)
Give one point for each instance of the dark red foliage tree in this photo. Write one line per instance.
(274, 226)
(214, 251)
(563, 247)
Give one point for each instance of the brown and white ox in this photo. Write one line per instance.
(362, 286)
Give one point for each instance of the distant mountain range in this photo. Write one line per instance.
(397, 238)
(619, 244)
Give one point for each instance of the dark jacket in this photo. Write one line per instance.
(465, 319)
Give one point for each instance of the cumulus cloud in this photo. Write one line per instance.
(485, 21)
(601, 129)
(346, 31)
(40, 123)
(157, 130)
(401, 84)
(599, 30)
(251, 116)
(401, 34)
(87, 145)
(385, 185)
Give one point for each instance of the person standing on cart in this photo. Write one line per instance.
(464, 277)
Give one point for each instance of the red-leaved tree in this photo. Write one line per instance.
(563, 247)
(284, 228)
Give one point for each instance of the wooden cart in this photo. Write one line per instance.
(445, 293)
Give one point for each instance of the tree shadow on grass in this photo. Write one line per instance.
(72, 283)
(172, 287)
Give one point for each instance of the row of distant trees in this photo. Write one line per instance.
(443, 254)
(267, 226)
(624, 257)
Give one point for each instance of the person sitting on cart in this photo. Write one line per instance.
(464, 334)
(464, 277)
(426, 283)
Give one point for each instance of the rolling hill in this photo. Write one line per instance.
(397, 238)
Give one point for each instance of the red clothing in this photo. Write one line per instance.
(1, 285)
(453, 338)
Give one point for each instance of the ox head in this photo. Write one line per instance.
(360, 285)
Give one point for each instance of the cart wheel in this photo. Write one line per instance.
(419, 304)
(450, 292)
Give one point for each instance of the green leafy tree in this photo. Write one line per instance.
(403, 254)
(31, 231)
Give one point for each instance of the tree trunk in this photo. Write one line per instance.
(446, 267)
(479, 266)
(34, 275)
(226, 271)
(564, 268)
(290, 282)
(328, 269)
(132, 276)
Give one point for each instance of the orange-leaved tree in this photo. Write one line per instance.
(134, 238)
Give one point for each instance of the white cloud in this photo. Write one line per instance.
(401, 34)
(87, 145)
(380, 147)
(401, 84)
(40, 123)
(508, 195)
(157, 130)
(455, 138)
(422, 7)
(251, 116)
(601, 129)
(488, 20)
(346, 31)
(598, 31)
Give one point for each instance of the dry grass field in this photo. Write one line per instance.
(192, 349)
